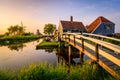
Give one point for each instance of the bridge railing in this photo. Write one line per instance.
(82, 40)
(101, 36)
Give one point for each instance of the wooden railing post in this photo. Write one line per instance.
(69, 37)
(97, 51)
(74, 40)
(82, 44)
(81, 56)
(65, 37)
(69, 54)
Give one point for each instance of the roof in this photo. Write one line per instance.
(95, 23)
(72, 25)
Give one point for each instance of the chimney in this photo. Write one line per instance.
(71, 18)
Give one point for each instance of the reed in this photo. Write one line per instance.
(59, 72)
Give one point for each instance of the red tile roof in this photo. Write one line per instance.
(95, 23)
(72, 25)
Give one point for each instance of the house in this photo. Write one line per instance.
(101, 26)
(71, 26)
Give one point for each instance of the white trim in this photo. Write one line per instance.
(96, 27)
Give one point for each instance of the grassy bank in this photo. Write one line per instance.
(6, 40)
(47, 44)
(59, 72)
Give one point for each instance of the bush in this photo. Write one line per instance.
(6, 40)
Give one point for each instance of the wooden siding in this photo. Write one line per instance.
(103, 30)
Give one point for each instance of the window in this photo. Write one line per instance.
(107, 27)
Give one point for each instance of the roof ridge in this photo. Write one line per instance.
(70, 21)
(103, 19)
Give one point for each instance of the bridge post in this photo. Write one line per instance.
(81, 56)
(65, 37)
(97, 51)
(69, 54)
(62, 35)
(82, 44)
(69, 37)
(74, 40)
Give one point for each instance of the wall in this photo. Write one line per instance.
(105, 29)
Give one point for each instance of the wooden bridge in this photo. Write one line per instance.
(106, 54)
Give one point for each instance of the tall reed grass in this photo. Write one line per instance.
(59, 72)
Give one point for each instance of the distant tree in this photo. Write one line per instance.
(38, 32)
(16, 30)
(49, 29)
(20, 30)
(7, 33)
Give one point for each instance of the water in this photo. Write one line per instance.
(14, 56)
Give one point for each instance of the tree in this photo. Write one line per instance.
(38, 32)
(20, 30)
(16, 30)
(49, 29)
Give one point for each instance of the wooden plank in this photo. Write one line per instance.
(106, 37)
(107, 68)
(105, 44)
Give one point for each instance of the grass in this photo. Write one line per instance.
(59, 72)
(113, 41)
(7, 40)
(47, 44)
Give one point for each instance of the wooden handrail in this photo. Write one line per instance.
(101, 52)
(113, 47)
(101, 36)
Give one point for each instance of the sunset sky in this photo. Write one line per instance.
(35, 13)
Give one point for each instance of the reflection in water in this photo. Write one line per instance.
(65, 59)
(15, 56)
(17, 47)
(49, 50)
(29, 54)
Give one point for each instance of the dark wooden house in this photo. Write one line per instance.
(101, 26)
(71, 26)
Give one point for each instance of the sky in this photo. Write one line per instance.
(34, 14)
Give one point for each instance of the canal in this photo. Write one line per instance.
(14, 56)
(17, 55)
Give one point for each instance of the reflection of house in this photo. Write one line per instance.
(101, 26)
(71, 26)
